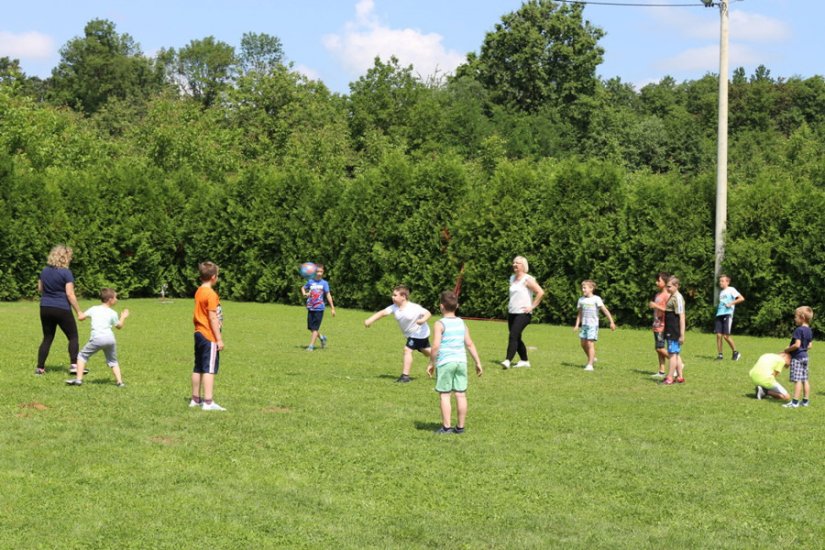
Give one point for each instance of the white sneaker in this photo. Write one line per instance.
(521, 364)
(506, 364)
(588, 367)
(760, 392)
(791, 405)
(193, 403)
(212, 407)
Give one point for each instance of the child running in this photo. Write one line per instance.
(102, 337)
(315, 290)
(412, 320)
(588, 318)
(801, 342)
(450, 338)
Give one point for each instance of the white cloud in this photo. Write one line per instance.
(757, 28)
(26, 45)
(706, 59)
(308, 72)
(744, 25)
(366, 38)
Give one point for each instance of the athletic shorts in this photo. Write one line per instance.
(589, 333)
(314, 319)
(418, 344)
(774, 386)
(97, 343)
(659, 340)
(723, 324)
(799, 369)
(674, 347)
(207, 357)
(451, 377)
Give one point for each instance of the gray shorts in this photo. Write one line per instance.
(97, 343)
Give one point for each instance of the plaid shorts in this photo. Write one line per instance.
(799, 369)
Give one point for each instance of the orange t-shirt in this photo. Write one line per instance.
(206, 300)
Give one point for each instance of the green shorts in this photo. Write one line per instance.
(451, 377)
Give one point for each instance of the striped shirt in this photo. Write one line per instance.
(452, 342)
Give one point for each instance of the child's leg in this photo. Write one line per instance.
(779, 395)
(116, 372)
(208, 383)
(797, 390)
(807, 388)
(729, 340)
(673, 358)
(407, 365)
(661, 354)
(313, 337)
(81, 366)
(461, 405)
(591, 351)
(196, 386)
(680, 366)
(583, 343)
(446, 409)
(719, 343)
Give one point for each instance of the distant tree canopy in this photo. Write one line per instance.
(148, 165)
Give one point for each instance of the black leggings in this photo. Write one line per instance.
(517, 322)
(50, 319)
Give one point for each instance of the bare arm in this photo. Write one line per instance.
(538, 293)
(331, 304)
(72, 300)
(374, 317)
(471, 347)
(123, 315)
(609, 317)
(438, 332)
(423, 318)
(795, 345)
(215, 325)
(578, 320)
(682, 328)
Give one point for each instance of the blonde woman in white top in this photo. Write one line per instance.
(525, 296)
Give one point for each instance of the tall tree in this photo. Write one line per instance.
(100, 65)
(543, 53)
(260, 52)
(203, 68)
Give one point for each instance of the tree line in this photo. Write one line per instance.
(148, 165)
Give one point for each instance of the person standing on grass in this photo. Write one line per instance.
(525, 296)
(729, 297)
(801, 342)
(208, 319)
(658, 306)
(57, 300)
(764, 374)
(450, 338)
(102, 338)
(587, 317)
(315, 290)
(674, 332)
(412, 320)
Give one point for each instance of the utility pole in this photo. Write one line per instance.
(722, 143)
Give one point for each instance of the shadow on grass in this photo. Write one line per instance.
(577, 366)
(649, 375)
(427, 426)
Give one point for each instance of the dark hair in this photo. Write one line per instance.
(663, 275)
(207, 270)
(449, 300)
(403, 290)
(320, 266)
(107, 294)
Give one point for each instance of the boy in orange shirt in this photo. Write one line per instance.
(208, 319)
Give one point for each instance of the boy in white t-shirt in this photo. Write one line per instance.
(412, 320)
(588, 318)
(103, 318)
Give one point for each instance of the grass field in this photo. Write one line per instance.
(324, 450)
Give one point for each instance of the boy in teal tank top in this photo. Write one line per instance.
(450, 338)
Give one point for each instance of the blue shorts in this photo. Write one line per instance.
(314, 319)
(589, 332)
(207, 357)
(418, 343)
(674, 347)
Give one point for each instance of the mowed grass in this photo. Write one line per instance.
(324, 450)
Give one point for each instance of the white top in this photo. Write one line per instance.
(452, 342)
(103, 318)
(407, 317)
(590, 310)
(520, 296)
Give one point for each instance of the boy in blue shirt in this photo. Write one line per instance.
(801, 342)
(450, 338)
(728, 298)
(314, 291)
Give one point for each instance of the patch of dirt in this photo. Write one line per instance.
(33, 405)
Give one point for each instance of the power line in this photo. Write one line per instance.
(636, 4)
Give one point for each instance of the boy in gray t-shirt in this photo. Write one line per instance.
(103, 318)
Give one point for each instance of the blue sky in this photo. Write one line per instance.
(336, 40)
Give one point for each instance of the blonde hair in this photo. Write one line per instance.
(523, 261)
(674, 281)
(590, 282)
(60, 256)
(805, 313)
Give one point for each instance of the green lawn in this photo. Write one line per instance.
(324, 450)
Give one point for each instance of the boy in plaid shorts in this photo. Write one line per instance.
(801, 342)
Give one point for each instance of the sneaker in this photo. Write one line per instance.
(520, 364)
(658, 375)
(667, 381)
(323, 341)
(736, 356)
(804, 403)
(120, 385)
(791, 405)
(680, 380)
(403, 379)
(73, 370)
(39, 372)
(212, 407)
(442, 430)
(74, 382)
(588, 368)
(719, 357)
(310, 348)
(458, 430)
(193, 403)
(505, 364)
(760, 392)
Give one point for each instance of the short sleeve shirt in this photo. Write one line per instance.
(763, 371)
(206, 300)
(103, 319)
(521, 297)
(590, 310)
(805, 335)
(726, 296)
(407, 317)
(317, 291)
(54, 280)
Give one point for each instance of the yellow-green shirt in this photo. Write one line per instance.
(763, 371)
